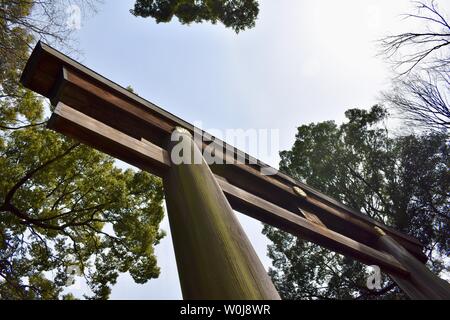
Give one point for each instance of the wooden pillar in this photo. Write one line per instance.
(422, 284)
(215, 259)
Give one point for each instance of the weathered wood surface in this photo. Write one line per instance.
(90, 131)
(422, 284)
(214, 256)
(58, 77)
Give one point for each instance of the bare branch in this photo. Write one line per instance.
(429, 46)
(422, 100)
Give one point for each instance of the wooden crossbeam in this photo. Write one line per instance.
(283, 219)
(149, 156)
(60, 78)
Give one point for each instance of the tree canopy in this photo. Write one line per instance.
(236, 14)
(64, 207)
(403, 181)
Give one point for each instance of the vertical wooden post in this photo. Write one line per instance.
(422, 284)
(215, 259)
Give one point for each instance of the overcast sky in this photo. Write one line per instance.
(305, 61)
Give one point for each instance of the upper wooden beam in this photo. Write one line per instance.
(60, 78)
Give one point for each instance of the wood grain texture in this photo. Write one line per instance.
(421, 284)
(214, 256)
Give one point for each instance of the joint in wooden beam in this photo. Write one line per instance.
(312, 217)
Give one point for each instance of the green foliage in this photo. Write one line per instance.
(236, 14)
(64, 207)
(402, 181)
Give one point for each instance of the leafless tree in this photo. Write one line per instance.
(421, 59)
(423, 99)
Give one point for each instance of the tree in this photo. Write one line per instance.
(421, 58)
(64, 207)
(236, 14)
(428, 46)
(423, 99)
(401, 181)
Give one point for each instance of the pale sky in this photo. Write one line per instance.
(305, 61)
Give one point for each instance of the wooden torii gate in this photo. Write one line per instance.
(214, 257)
